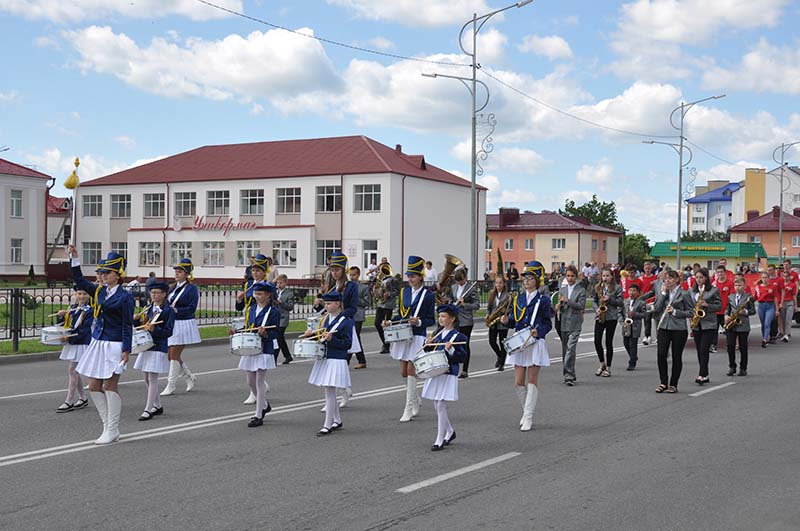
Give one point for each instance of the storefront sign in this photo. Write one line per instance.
(697, 248)
(223, 224)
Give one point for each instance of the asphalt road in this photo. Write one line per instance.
(606, 454)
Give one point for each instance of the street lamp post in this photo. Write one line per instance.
(783, 148)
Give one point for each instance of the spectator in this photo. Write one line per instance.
(513, 276)
(372, 270)
(151, 279)
(430, 274)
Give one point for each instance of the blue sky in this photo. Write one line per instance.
(118, 83)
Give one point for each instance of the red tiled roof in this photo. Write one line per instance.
(11, 168)
(769, 222)
(348, 155)
(56, 205)
(542, 221)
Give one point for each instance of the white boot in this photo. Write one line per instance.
(175, 371)
(522, 392)
(344, 399)
(530, 406)
(190, 378)
(411, 393)
(251, 399)
(417, 399)
(99, 401)
(112, 426)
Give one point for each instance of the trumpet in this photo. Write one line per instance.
(699, 312)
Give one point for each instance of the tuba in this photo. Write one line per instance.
(379, 290)
(451, 264)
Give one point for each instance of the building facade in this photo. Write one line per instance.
(763, 229)
(710, 210)
(761, 190)
(297, 201)
(708, 254)
(58, 228)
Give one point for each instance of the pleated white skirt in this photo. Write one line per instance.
(259, 362)
(152, 361)
(442, 387)
(184, 332)
(356, 345)
(330, 372)
(101, 359)
(406, 350)
(72, 352)
(535, 354)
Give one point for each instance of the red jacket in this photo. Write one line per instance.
(725, 288)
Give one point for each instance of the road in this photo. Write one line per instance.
(608, 453)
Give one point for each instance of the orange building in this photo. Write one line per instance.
(764, 230)
(548, 237)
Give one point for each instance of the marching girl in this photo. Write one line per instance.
(183, 298)
(706, 330)
(331, 372)
(416, 307)
(765, 293)
(259, 266)
(264, 317)
(498, 331)
(159, 319)
(533, 310)
(78, 322)
(608, 294)
(107, 354)
(739, 332)
(444, 387)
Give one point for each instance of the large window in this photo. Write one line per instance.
(559, 244)
(368, 198)
(120, 205)
(605, 244)
(488, 244)
(529, 244)
(16, 251)
(92, 206)
(370, 249)
(755, 239)
(16, 203)
(252, 202)
(154, 205)
(325, 248)
(213, 253)
(698, 221)
(288, 200)
(121, 248)
(509, 244)
(594, 245)
(244, 250)
(329, 198)
(795, 241)
(178, 250)
(91, 253)
(284, 253)
(149, 253)
(185, 204)
(219, 203)
(66, 234)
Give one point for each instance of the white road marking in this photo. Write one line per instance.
(456, 473)
(715, 388)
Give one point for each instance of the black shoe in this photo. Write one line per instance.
(742, 372)
(64, 407)
(385, 349)
(336, 425)
(763, 344)
(255, 422)
(156, 411)
(501, 368)
(699, 380)
(81, 403)
(497, 364)
(437, 447)
(712, 349)
(324, 431)
(732, 372)
(631, 367)
(146, 415)
(451, 439)
(569, 383)
(287, 361)
(463, 375)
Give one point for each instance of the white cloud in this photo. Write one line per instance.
(498, 195)
(491, 44)
(655, 219)
(552, 47)
(514, 160)
(8, 97)
(579, 196)
(62, 12)
(256, 109)
(415, 12)
(599, 174)
(75, 115)
(765, 68)
(725, 172)
(125, 141)
(44, 41)
(381, 43)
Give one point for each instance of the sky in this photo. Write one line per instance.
(575, 87)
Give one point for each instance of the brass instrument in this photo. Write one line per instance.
(735, 318)
(498, 313)
(627, 324)
(379, 291)
(602, 307)
(699, 312)
(451, 264)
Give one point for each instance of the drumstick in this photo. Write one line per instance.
(257, 327)
(440, 344)
(65, 337)
(53, 314)
(146, 325)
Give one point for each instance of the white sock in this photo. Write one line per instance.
(261, 392)
(151, 378)
(71, 385)
(441, 425)
(331, 405)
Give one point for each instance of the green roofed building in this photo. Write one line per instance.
(708, 254)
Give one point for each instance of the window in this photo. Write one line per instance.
(488, 244)
(329, 198)
(370, 248)
(368, 198)
(121, 248)
(120, 205)
(154, 205)
(795, 241)
(288, 201)
(594, 245)
(91, 253)
(178, 250)
(252, 202)
(244, 250)
(718, 209)
(149, 253)
(213, 253)
(16, 203)
(719, 222)
(219, 203)
(508, 245)
(529, 244)
(605, 242)
(66, 234)
(92, 206)
(185, 204)
(698, 208)
(755, 239)
(488, 266)
(284, 253)
(16, 251)
(796, 198)
(559, 243)
(698, 221)
(325, 248)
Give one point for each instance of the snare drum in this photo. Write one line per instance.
(141, 341)
(51, 335)
(309, 349)
(237, 323)
(312, 323)
(245, 344)
(430, 364)
(398, 332)
(519, 340)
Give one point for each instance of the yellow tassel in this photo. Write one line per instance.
(72, 181)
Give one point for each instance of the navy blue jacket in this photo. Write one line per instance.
(163, 330)
(342, 339)
(459, 351)
(114, 322)
(187, 304)
(248, 295)
(426, 315)
(84, 330)
(349, 298)
(543, 323)
(256, 319)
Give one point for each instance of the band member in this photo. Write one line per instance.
(466, 298)
(634, 311)
(788, 302)
(107, 355)
(647, 279)
(364, 295)
(416, 308)
(571, 304)
(78, 323)
(183, 298)
(498, 331)
(385, 291)
(724, 284)
(284, 297)
(607, 302)
(263, 317)
(530, 310)
(331, 373)
(159, 319)
(672, 307)
(740, 332)
(444, 387)
(705, 297)
(258, 268)
(765, 292)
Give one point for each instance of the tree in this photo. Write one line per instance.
(598, 212)
(637, 249)
(703, 236)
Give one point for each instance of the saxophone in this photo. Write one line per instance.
(498, 313)
(699, 312)
(735, 318)
(602, 307)
(627, 324)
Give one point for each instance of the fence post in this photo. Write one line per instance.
(16, 317)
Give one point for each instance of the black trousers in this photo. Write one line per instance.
(467, 331)
(381, 315)
(283, 347)
(732, 338)
(496, 338)
(720, 322)
(360, 354)
(703, 339)
(609, 326)
(674, 340)
(648, 324)
(632, 348)
(558, 328)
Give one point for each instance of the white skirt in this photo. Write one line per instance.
(356, 345)
(406, 350)
(442, 387)
(152, 361)
(258, 362)
(535, 354)
(330, 372)
(184, 332)
(100, 359)
(72, 352)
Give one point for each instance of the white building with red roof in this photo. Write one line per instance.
(296, 201)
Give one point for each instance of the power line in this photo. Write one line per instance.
(709, 153)
(330, 41)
